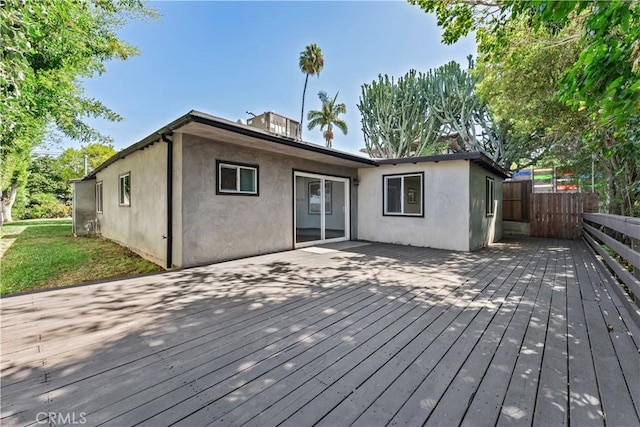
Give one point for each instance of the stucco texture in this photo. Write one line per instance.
(483, 229)
(142, 226)
(84, 206)
(222, 227)
(445, 224)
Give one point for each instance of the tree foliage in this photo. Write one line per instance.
(72, 160)
(463, 116)
(47, 194)
(394, 117)
(48, 46)
(328, 116)
(564, 76)
(311, 62)
(519, 83)
(46, 177)
(604, 78)
(429, 113)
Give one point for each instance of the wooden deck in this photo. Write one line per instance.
(524, 333)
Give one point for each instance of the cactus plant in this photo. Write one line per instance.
(427, 113)
(395, 117)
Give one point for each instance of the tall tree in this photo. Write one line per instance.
(46, 177)
(72, 161)
(311, 62)
(47, 47)
(605, 77)
(429, 113)
(520, 83)
(328, 116)
(600, 83)
(395, 119)
(464, 117)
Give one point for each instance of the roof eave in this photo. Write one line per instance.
(477, 157)
(199, 117)
(288, 141)
(142, 144)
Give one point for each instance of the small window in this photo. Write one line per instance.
(236, 178)
(403, 194)
(99, 197)
(490, 197)
(125, 189)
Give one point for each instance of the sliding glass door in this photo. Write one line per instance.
(321, 209)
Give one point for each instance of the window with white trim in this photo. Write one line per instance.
(99, 197)
(403, 194)
(235, 178)
(490, 197)
(124, 189)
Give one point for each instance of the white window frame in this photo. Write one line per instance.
(238, 167)
(385, 194)
(490, 194)
(99, 190)
(120, 188)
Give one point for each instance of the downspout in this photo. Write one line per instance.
(169, 200)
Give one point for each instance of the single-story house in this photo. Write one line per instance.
(204, 189)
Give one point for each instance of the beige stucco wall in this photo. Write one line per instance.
(222, 227)
(142, 225)
(446, 207)
(483, 230)
(84, 206)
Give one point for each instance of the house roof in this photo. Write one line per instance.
(198, 123)
(208, 126)
(476, 157)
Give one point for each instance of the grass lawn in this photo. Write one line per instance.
(45, 254)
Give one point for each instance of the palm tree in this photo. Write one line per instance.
(311, 63)
(328, 116)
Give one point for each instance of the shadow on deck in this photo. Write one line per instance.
(523, 332)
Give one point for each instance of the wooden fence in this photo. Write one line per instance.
(516, 196)
(559, 215)
(621, 235)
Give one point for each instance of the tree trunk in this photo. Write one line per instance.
(330, 130)
(304, 91)
(7, 203)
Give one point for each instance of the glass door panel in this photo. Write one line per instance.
(335, 209)
(308, 209)
(321, 208)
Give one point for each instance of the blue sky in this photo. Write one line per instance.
(225, 58)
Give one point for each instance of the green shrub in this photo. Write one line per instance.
(43, 205)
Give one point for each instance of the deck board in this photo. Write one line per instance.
(428, 396)
(551, 408)
(584, 402)
(254, 363)
(177, 342)
(613, 382)
(520, 399)
(486, 402)
(394, 396)
(367, 335)
(379, 348)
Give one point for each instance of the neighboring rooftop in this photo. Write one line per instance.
(275, 123)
